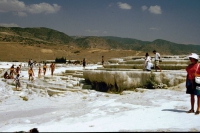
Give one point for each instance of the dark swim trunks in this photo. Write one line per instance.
(190, 85)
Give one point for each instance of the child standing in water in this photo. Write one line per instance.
(17, 82)
(39, 71)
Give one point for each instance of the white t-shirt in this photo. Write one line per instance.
(148, 59)
(157, 56)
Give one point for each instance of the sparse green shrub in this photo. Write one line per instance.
(60, 60)
(169, 67)
(24, 98)
(77, 52)
(151, 83)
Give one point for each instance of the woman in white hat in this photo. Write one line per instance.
(192, 69)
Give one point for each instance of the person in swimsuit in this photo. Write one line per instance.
(30, 74)
(39, 71)
(12, 70)
(18, 70)
(52, 68)
(44, 68)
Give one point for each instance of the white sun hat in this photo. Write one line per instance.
(194, 55)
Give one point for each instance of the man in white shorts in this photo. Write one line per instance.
(156, 61)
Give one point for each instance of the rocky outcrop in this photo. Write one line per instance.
(126, 74)
(118, 80)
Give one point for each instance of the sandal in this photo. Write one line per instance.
(197, 112)
(190, 111)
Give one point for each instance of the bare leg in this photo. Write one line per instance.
(198, 103)
(159, 68)
(192, 100)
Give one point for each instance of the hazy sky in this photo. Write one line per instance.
(173, 20)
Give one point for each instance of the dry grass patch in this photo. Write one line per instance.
(19, 52)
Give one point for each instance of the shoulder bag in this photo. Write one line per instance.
(197, 78)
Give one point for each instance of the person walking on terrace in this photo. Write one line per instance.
(193, 69)
(39, 71)
(147, 63)
(52, 68)
(44, 68)
(157, 60)
(84, 63)
(102, 61)
(31, 63)
(31, 74)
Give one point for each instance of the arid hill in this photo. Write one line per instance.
(40, 44)
(18, 52)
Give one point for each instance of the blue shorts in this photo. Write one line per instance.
(192, 87)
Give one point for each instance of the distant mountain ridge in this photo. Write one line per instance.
(47, 36)
(163, 46)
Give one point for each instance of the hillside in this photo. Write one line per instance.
(163, 46)
(21, 44)
(18, 52)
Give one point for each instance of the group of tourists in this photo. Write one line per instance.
(14, 71)
(31, 72)
(148, 65)
(192, 85)
(31, 75)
